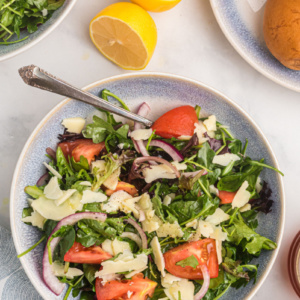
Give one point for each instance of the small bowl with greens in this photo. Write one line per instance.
(23, 23)
(191, 208)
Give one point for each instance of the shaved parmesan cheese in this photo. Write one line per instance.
(193, 224)
(168, 280)
(66, 195)
(246, 207)
(217, 217)
(52, 189)
(258, 185)
(109, 277)
(123, 263)
(35, 219)
(168, 199)
(141, 134)
(74, 125)
(242, 196)
(184, 137)
(200, 130)
(225, 159)
(131, 274)
(129, 293)
(85, 183)
(49, 210)
(256, 5)
(158, 256)
(99, 164)
(152, 222)
(129, 205)
(183, 287)
(220, 237)
(91, 197)
(158, 171)
(179, 166)
(213, 190)
(211, 123)
(112, 181)
(168, 229)
(58, 270)
(52, 170)
(114, 201)
(107, 247)
(211, 134)
(119, 246)
(205, 228)
(134, 237)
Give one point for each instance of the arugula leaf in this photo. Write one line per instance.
(254, 242)
(89, 272)
(63, 166)
(234, 268)
(81, 164)
(189, 261)
(157, 204)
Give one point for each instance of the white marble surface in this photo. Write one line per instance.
(190, 43)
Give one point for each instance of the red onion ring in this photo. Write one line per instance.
(42, 180)
(143, 111)
(168, 148)
(140, 231)
(205, 285)
(51, 153)
(49, 278)
(156, 159)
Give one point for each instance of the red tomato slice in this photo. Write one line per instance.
(89, 151)
(83, 255)
(176, 122)
(140, 288)
(123, 186)
(205, 252)
(67, 147)
(226, 197)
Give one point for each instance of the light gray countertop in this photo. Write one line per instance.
(191, 44)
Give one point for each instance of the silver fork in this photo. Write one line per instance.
(38, 78)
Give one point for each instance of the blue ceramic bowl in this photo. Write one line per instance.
(162, 92)
(8, 51)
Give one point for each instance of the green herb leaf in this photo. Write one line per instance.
(189, 261)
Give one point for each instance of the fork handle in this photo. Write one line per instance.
(36, 77)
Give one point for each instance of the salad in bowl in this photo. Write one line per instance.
(167, 212)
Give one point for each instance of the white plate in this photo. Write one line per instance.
(244, 30)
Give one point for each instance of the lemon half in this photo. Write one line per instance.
(126, 34)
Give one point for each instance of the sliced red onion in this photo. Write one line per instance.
(140, 160)
(170, 149)
(143, 111)
(49, 278)
(43, 179)
(205, 285)
(51, 153)
(140, 231)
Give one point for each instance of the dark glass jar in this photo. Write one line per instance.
(294, 264)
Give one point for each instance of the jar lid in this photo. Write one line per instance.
(294, 264)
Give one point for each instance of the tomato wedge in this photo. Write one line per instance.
(88, 151)
(204, 251)
(137, 288)
(83, 255)
(84, 147)
(123, 186)
(226, 197)
(176, 122)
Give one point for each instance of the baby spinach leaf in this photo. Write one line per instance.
(206, 156)
(89, 272)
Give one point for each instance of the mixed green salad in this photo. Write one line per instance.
(18, 15)
(167, 212)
